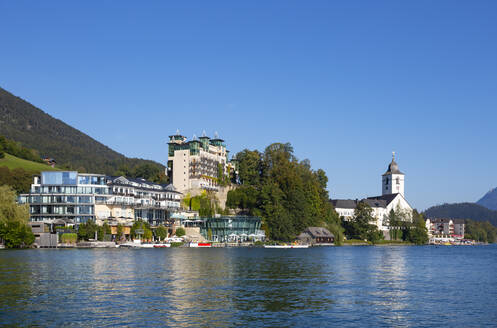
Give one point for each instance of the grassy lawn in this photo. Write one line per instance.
(13, 162)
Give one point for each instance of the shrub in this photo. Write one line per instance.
(68, 238)
(180, 232)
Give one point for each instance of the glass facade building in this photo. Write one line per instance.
(65, 195)
(232, 228)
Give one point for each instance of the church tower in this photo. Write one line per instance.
(393, 179)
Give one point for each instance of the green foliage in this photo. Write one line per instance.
(71, 148)
(147, 234)
(17, 150)
(119, 232)
(416, 232)
(337, 230)
(14, 230)
(249, 165)
(245, 198)
(18, 179)
(480, 231)
(16, 234)
(180, 232)
(209, 234)
(206, 204)
(69, 238)
(222, 179)
(176, 244)
(141, 225)
(161, 232)
(86, 231)
(361, 226)
(286, 193)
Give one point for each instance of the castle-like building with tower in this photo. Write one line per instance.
(392, 198)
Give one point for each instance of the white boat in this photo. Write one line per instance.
(286, 246)
(138, 244)
(203, 245)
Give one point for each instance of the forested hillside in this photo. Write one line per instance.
(463, 211)
(71, 148)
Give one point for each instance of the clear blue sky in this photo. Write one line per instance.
(345, 82)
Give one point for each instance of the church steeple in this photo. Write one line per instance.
(393, 179)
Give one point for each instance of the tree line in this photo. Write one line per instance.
(15, 148)
(480, 231)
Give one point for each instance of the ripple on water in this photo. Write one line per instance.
(347, 286)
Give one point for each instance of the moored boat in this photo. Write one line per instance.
(286, 246)
(162, 245)
(203, 245)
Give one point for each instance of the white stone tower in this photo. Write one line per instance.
(393, 179)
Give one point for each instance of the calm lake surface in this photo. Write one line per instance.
(335, 286)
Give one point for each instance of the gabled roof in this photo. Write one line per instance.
(318, 232)
(386, 198)
(344, 203)
(352, 204)
(375, 202)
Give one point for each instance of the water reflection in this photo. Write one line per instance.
(348, 286)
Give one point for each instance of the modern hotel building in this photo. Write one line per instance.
(78, 197)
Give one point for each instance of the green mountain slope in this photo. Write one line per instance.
(463, 211)
(33, 128)
(13, 162)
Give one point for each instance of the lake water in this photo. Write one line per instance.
(251, 287)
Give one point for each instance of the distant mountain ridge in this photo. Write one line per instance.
(489, 200)
(33, 128)
(471, 211)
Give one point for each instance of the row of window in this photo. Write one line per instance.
(61, 210)
(70, 190)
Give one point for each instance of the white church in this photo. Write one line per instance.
(392, 198)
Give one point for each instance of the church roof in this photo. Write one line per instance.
(388, 198)
(393, 167)
(352, 204)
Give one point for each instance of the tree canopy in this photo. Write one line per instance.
(362, 226)
(14, 230)
(285, 192)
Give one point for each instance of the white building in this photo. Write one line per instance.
(131, 199)
(392, 198)
(445, 227)
(74, 198)
(196, 164)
